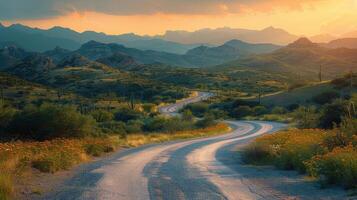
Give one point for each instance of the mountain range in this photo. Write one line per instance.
(221, 35)
(350, 43)
(119, 56)
(178, 42)
(175, 42)
(34, 39)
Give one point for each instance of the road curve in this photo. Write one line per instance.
(202, 168)
(162, 171)
(172, 109)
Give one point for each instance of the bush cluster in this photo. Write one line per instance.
(330, 155)
(46, 122)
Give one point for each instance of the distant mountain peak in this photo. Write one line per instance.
(269, 28)
(235, 42)
(92, 43)
(60, 28)
(273, 29)
(20, 26)
(302, 43)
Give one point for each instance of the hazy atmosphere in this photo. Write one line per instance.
(152, 17)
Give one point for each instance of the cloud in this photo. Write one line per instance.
(36, 9)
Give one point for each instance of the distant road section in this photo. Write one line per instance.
(172, 109)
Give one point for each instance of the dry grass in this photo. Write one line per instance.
(18, 158)
(326, 155)
(286, 149)
(135, 140)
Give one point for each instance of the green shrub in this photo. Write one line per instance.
(336, 167)
(333, 113)
(6, 115)
(326, 97)
(45, 165)
(52, 164)
(198, 109)
(187, 116)
(98, 149)
(259, 110)
(169, 125)
(113, 127)
(155, 124)
(126, 114)
(134, 126)
(337, 139)
(287, 149)
(275, 117)
(257, 153)
(306, 117)
(149, 107)
(207, 121)
(51, 121)
(293, 156)
(176, 124)
(102, 115)
(218, 114)
(349, 126)
(242, 111)
(55, 161)
(278, 110)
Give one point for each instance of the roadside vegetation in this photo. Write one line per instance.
(323, 145)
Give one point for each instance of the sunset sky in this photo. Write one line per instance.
(302, 17)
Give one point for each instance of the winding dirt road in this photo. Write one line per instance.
(205, 168)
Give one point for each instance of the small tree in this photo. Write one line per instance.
(326, 97)
(208, 120)
(278, 110)
(102, 115)
(333, 113)
(149, 107)
(306, 117)
(259, 110)
(51, 121)
(242, 111)
(187, 116)
(126, 114)
(6, 115)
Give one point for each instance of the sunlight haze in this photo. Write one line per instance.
(303, 17)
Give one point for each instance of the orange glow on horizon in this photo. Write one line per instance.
(327, 17)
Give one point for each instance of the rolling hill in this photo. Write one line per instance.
(85, 77)
(116, 55)
(342, 43)
(304, 95)
(230, 50)
(302, 58)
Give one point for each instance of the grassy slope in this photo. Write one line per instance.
(297, 96)
(224, 79)
(301, 62)
(19, 92)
